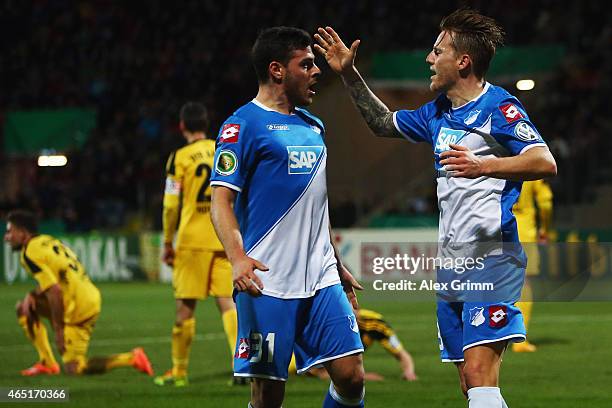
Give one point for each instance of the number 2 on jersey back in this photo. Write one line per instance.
(202, 196)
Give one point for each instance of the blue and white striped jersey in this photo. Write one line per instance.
(493, 124)
(276, 163)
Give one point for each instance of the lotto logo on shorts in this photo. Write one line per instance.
(243, 349)
(511, 112)
(498, 316)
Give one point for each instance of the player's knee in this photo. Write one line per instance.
(267, 393)
(184, 311)
(476, 374)
(350, 383)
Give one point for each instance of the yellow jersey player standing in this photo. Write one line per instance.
(200, 267)
(66, 297)
(533, 212)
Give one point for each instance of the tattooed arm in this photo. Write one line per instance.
(376, 114)
(341, 59)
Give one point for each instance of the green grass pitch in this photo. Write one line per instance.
(571, 368)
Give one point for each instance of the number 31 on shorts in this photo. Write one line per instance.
(257, 347)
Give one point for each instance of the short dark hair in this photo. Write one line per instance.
(195, 117)
(474, 34)
(276, 44)
(23, 219)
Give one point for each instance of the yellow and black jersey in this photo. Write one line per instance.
(372, 327)
(535, 199)
(187, 197)
(51, 262)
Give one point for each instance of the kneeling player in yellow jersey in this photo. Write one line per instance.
(533, 212)
(66, 297)
(200, 267)
(372, 327)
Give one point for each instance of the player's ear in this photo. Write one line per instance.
(276, 70)
(463, 61)
(182, 126)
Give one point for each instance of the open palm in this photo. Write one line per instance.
(339, 57)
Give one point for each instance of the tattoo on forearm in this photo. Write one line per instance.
(376, 114)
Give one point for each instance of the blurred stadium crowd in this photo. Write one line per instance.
(136, 63)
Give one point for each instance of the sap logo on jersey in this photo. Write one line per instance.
(446, 137)
(302, 159)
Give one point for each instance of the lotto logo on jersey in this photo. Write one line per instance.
(243, 349)
(498, 316)
(229, 133)
(303, 159)
(511, 112)
(447, 137)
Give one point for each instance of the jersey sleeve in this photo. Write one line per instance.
(37, 265)
(513, 129)
(172, 193)
(413, 124)
(234, 155)
(392, 344)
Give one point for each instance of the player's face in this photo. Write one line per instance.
(15, 236)
(443, 61)
(302, 74)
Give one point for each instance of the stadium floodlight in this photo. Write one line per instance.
(56, 160)
(525, 84)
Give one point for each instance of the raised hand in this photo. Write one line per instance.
(340, 58)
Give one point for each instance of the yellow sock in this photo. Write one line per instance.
(120, 360)
(526, 303)
(292, 365)
(182, 337)
(40, 340)
(230, 326)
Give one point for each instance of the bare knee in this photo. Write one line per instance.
(351, 387)
(185, 310)
(225, 304)
(267, 393)
(349, 379)
(477, 374)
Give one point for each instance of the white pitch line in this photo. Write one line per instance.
(113, 342)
